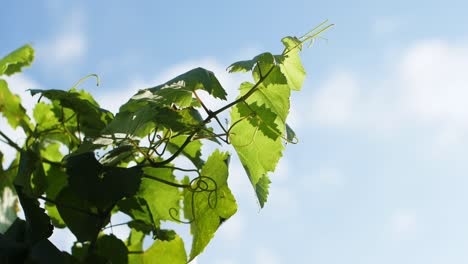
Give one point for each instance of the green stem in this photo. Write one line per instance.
(10, 142)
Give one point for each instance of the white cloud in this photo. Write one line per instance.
(330, 176)
(336, 100)
(426, 86)
(266, 256)
(386, 25)
(233, 229)
(69, 45)
(403, 223)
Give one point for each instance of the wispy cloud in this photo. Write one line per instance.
(386, 25)
(266, 256)
(426, 86)
(403, 223)
(68, 45)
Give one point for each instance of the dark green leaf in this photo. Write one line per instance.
(112, 248)
(80, 215)
(39, 226)
(44, 252)
(31, 176)
(92, 119)
(101, 185)
(290, 134)
(195, 79)
(120, 154)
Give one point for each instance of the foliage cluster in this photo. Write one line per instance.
(87, 163)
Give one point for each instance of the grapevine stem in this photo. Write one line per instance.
(10, 142)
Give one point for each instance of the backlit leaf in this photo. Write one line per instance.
(15, 61)
(207, 210)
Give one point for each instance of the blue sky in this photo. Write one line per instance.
(380, 174)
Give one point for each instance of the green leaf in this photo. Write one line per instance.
(258, 153)
(112, 248)
(15, 61)
(195, 79)
(39, 226)
(265, 58)
(45, 252)
(80, 215)
(123, 153)
(44, 116)
(178, 91)
(291, 135)
(31, 176)
(56, 181)
(242, 66)
(141, 226)
(261, 189)
(172, 251)
(161, 197)
(135, 244)
(101, 185)
(11, 108)
(261, 117)
(291, 66)
(192, 151)
(92, 119)
(208, 209)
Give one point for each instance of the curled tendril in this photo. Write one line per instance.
(174, 214)
(198, 185)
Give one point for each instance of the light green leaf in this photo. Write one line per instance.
(192, 151)
(261, 117)
(135, 244)
(259, 154)
(208, 209)
(15, 61)
(291, 66)
(11, 108)
(56, 181)
(161, 198)
(44, 116)
(170, 252)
